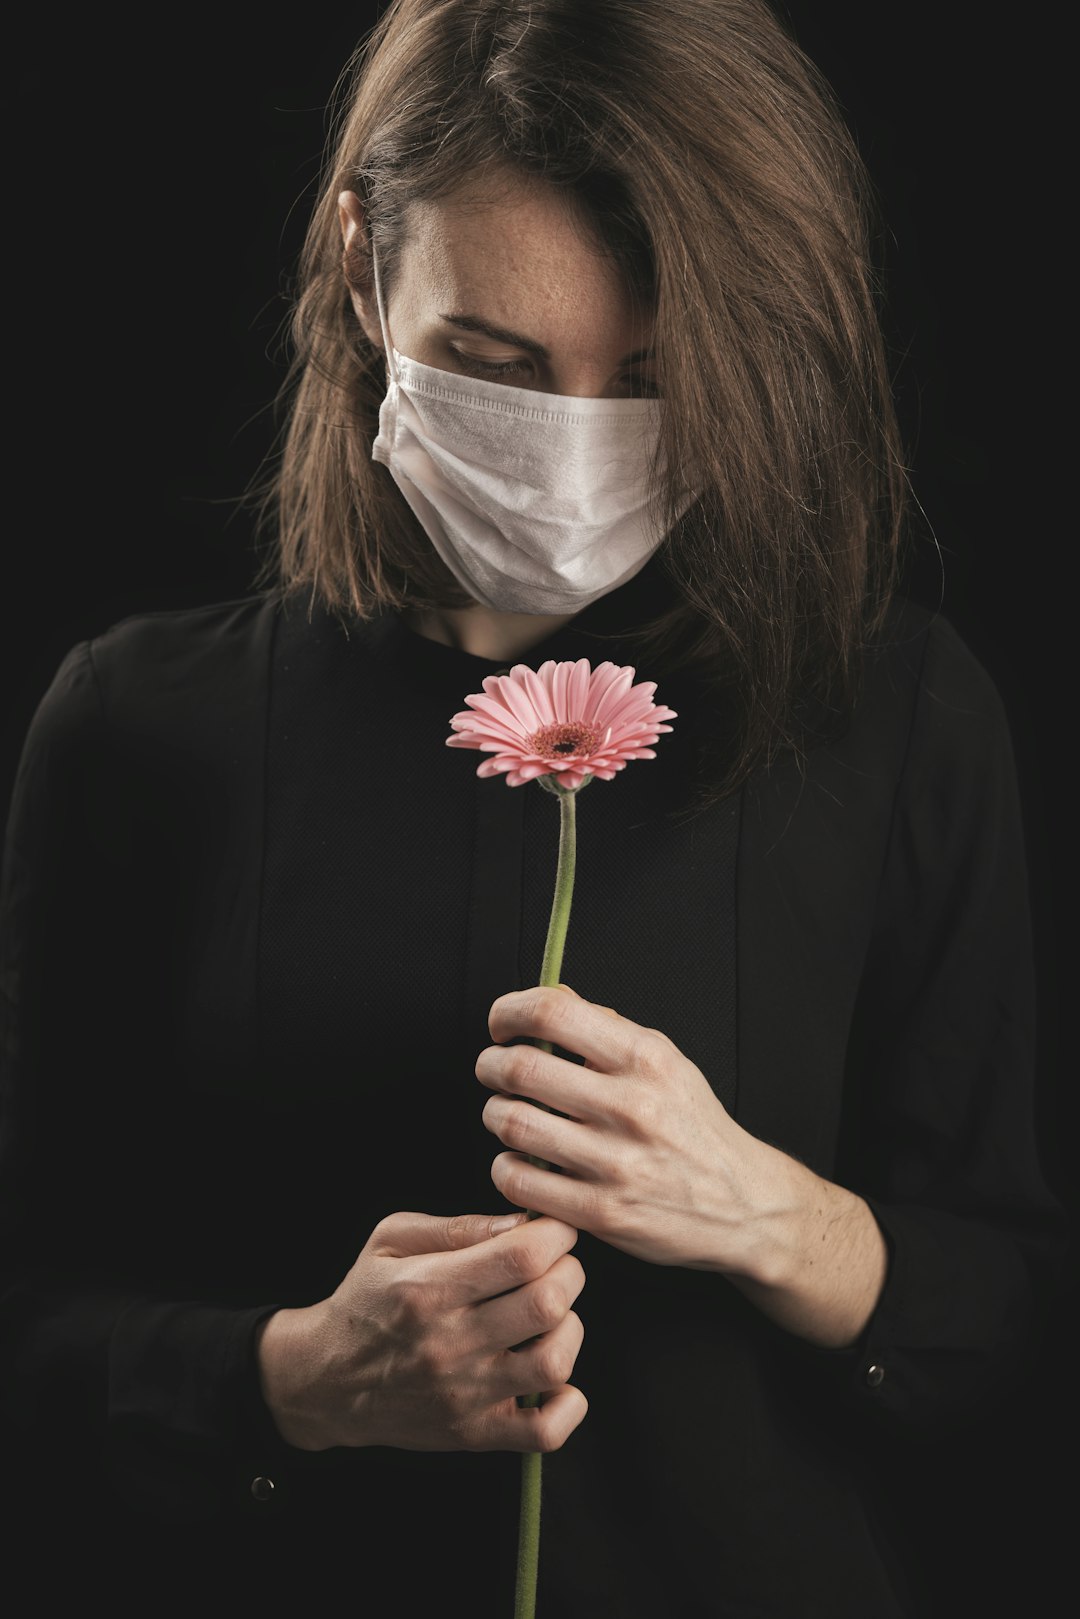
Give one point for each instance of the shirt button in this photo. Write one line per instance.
(262, 1488)
(875, 1376)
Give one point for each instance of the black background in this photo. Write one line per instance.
(159, 186)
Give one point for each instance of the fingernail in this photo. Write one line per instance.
(506, 1222)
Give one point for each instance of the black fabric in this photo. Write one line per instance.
(254, 914)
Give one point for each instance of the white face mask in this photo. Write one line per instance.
(536, 502)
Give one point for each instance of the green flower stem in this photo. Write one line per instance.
(528, 1550)
(528, 1556)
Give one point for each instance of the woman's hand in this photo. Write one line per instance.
(650, 1159)
(415, 1348)
(646, 1157)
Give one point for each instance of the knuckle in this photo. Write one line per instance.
(509, 1174)
(603, 1212)
(458, 1230)
(594, 1207)
(557, 1354)
(544, 1000)
(548, 1302)
(641, 1109)
(535, 1253)
(410, 1301)
(553, 1364)
(520, 1124)
(521, 1261)
(523, 1065)
(536, 1007)
(573, 1274)
(652, 1055)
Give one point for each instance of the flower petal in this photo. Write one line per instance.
(540, 695)
(611, 702)
(577, 695)
(515, 694)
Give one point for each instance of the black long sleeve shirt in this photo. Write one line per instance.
(254, 913)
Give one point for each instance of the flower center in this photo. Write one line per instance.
(560, 741)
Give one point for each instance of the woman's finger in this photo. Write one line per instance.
(576, 1147)
(608, 1042)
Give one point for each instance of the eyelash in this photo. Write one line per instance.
(509, 368)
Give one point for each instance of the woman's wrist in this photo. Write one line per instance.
(816, 1259)
(283, 1355)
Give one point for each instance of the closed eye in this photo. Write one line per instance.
(516, 368)
(511, 368)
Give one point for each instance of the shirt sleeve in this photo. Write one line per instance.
(941, 1123)
(157, 1389)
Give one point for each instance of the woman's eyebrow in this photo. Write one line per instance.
(476, 323)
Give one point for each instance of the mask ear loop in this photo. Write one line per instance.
(388, 346)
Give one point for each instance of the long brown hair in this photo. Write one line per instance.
(706, 154)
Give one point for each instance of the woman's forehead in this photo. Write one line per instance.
(511, 256)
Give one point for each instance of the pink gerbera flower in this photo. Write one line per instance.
(563, 720)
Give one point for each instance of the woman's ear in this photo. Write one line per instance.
(354, 260)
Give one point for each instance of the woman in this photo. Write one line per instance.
(257, 1301)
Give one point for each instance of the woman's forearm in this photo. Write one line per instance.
(818, 1259)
